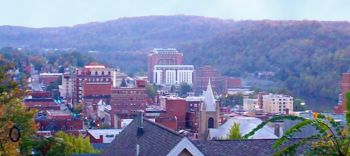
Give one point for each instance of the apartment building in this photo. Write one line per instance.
(277, 103)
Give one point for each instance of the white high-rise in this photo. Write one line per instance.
(173, 74)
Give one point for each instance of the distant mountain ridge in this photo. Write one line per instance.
(124, 34)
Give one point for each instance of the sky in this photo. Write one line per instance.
(56, 13)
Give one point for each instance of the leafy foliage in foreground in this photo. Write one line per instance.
(13, 113)
(332, 137)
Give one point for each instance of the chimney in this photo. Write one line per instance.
(277, 130)
(140, 123)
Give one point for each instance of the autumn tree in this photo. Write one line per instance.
(13, 113)
(78, 108)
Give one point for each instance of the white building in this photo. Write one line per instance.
(277, 103)
(250, 104)
(247, 124)
(173, 74)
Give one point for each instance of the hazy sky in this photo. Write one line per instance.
(54, 13)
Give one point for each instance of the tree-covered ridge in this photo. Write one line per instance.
(305, 55)
(124, 34)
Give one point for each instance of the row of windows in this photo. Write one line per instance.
(279, 103)
(126, 104)
(281, 99)
(96, 73)
(126, 111)
(95, 79)
(128, 92)
(132, 98)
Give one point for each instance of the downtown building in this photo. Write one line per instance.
(160, 56)
(126, 102)
(167, 75)
(93, 74)
(221, 84)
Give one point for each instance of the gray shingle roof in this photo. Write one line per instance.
(241, 147)
(156, 140)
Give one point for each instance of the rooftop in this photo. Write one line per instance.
(155, 140)
(108, 134)
(57, 113)
(51, 74)
(173, 67)
(165, 51)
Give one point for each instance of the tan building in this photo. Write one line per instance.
(66, 89)
(277, 103)
(250, 104)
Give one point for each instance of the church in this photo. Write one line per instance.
(209, 113)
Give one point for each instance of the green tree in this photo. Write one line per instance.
(297, 105)
(332, 137)
(235, 133)
(150, 91)
(78, 108)
(185, 88)
(65, 144)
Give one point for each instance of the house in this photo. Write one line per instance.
(144, 137)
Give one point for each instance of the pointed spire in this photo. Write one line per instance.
(209, 98)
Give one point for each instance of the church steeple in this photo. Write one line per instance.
(209, 98)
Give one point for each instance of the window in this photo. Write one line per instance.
(95, 72)
(71, 127)
(195, 105)
(103, 73)
(109, 73)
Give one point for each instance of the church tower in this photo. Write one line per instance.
(209, 113)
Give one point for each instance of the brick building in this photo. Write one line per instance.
(39, 102)
(58, 114)
(94, 90)
(71, 124)
(175, 115)
(161, 56)
(340, 109)
(202, 76)
(231, 82)
(126, 101)
(94, 73)
(48, 78)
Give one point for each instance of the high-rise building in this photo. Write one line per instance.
(173, 74)
(202, 76)
(345, 88)
(159, 56)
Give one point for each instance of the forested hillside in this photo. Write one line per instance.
(124, 34)
(307, 56)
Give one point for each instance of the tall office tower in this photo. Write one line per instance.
(159, 56)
